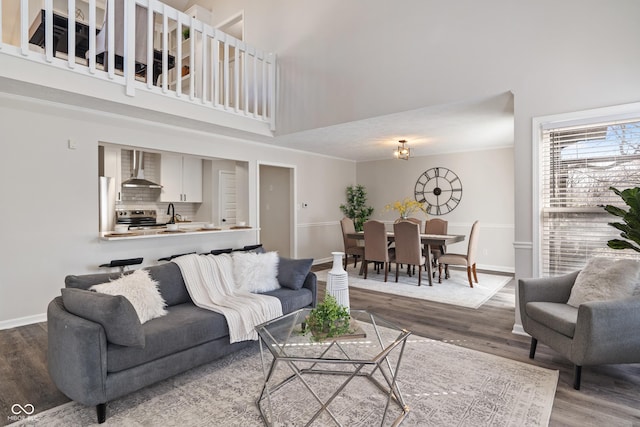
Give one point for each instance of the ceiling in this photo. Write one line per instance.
(472, 125)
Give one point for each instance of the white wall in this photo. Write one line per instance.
(487, 195)
(50, 197)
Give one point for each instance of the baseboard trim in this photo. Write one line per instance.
(317, 261)
(518, 330)
(22, 321)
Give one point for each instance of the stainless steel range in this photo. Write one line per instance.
(138, 219)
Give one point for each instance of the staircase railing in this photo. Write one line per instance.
(209, 67)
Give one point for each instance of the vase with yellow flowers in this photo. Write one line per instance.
(406, 207)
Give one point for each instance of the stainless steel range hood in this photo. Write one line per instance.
(137, 179)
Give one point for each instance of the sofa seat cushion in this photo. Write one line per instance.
(561, 318)
(292, 300)
(184, 326)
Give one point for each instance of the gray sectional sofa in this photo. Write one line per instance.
(88, 368)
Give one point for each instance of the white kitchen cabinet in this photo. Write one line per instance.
(181, 178)
(112, 165)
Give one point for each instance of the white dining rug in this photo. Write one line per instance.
(443, 385)
(455, 290)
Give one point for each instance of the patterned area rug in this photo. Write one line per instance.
(455, 290)
(443, 384)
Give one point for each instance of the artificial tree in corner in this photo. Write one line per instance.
(356, 207)
(630, 229)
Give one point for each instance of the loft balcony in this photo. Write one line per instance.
(138, 57)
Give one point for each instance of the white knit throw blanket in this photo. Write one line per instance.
(209, 280)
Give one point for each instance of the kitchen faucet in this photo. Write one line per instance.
(171, 209)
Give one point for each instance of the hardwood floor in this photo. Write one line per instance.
(609, 396)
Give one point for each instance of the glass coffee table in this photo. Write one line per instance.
(374, 353)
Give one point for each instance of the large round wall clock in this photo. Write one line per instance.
(440, 188)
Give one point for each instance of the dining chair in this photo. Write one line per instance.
(415, 221)
(375, 247)
(351, 246)
(468, 259)
(408, 247)
(436, 226)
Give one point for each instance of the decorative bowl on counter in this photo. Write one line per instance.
(121, 228)
(209, 226)
(172, 227)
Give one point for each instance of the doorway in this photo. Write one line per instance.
(277, 214)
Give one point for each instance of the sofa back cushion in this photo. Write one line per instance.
(170, 283)
(169, 278)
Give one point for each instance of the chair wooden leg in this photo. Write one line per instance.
(532, 349)
(475, 275)
(577, 373)
(469, 276)
(397, 268)
(366, 267)
(386, 271)
(420, 275)
(439, 273)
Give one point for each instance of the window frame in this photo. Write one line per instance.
(539, 125)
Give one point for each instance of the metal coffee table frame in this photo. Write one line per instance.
(285, 330)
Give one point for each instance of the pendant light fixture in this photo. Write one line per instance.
(402, 152)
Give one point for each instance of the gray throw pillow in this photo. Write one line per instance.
(293, 272)
(114, 312)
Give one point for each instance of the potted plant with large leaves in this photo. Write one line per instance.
(630, 227)
(356, 207)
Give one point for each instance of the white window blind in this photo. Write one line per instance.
(579, 164)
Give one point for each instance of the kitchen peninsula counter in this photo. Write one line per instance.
(163, 233)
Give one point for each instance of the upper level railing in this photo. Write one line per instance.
(190, 60)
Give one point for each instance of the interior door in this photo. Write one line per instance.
(276, 201)
(227, 196)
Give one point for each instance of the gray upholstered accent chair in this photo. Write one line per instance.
(597, 332)
(351, 246)
(468, 260)
(376, 249)
(408, 247)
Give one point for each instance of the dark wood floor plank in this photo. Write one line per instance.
(610, 394)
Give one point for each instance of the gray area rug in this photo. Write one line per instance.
(455, 290)
(443, 384)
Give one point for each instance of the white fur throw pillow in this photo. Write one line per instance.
(605, 279)
(255, 272)
(141, 291)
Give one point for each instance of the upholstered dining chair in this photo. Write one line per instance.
(468, 260)
(350, 245)
(415, 221)
(436, 226)
(375, 247)
(408, 247)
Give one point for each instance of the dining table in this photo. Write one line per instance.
(428, 240)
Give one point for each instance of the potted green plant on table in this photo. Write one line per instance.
(356, 207)
(630, 227)
(328, 320)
